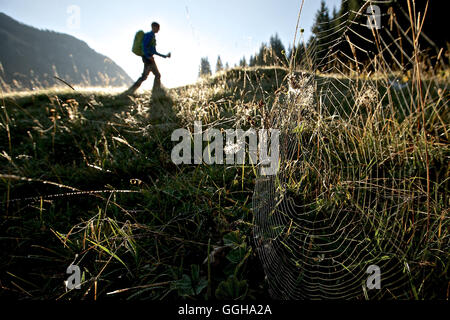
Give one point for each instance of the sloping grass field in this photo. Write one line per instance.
(87, 178)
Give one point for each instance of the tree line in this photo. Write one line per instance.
(341, 38)
(268, 55)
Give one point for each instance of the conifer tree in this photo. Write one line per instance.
(321, 33)
(219, 64)
(205, 67)
(277, 51)
(243, 62)
(252, 61)
(260, 57)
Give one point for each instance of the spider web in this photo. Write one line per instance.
(343, 198)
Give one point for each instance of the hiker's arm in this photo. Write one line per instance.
(161, 55)
(153, 51)
(150, 49)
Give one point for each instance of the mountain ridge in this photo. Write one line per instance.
(31, 58)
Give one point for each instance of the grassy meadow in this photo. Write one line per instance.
(86, 177)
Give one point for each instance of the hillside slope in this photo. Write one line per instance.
(30, 58)
(89, 175)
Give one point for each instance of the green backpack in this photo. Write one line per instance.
(138, 43)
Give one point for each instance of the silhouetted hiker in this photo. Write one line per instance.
(149, 49)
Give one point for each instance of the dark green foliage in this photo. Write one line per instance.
(243, 62)
(320, 31)
(272, 54)
(219, 64)
(332, 35)
(252, 61)
(232, 289)
(192, 284)
(205, 68)
(278, 55)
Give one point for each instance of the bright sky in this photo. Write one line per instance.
(190, 29)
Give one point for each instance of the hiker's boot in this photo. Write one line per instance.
(135, 86)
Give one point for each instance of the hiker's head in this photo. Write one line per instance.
(155, 27)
